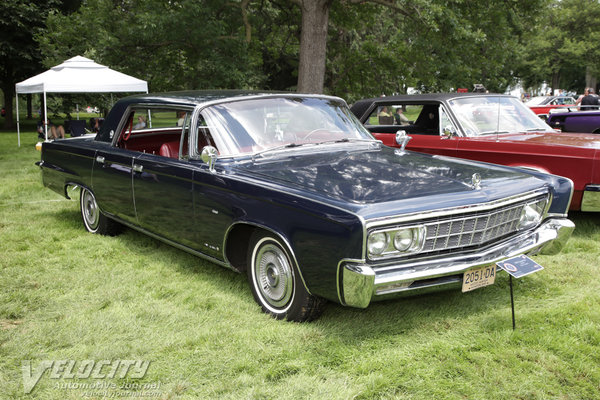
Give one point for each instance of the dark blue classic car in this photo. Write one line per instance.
(292, 190)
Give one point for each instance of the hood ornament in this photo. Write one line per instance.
(476, 181)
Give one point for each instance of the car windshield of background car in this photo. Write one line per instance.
(495, 114)
(536, 101)
(251, 126)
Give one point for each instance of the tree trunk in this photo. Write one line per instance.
(590, 78)
(555, 81)
(9, 94)
(313, 45)
(29, 106)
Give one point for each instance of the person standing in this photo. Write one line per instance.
(585, 93)
(590, 102)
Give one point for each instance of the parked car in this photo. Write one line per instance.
(493, 128)
(293, 191)
(541, 105)
(575, 121)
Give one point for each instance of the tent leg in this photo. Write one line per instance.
(45, 117)
(18, 127)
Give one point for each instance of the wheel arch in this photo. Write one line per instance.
(237, 243)
(74, 186)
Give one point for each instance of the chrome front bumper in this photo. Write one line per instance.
(362, 283)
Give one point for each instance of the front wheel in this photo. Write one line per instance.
(93, 220)
(275, 281)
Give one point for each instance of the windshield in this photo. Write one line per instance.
(256, 125)
(495, 114)
(536, 101)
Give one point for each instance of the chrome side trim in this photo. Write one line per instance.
(172, 243)
(363, 283)
(591, 198)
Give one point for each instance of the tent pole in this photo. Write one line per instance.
(45, 116)
(18, 127)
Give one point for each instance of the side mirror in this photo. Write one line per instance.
(402, 139)
(448, 131)
(209, 155)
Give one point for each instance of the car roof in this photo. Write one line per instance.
(190, 98)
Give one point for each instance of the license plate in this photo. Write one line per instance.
(479, 277)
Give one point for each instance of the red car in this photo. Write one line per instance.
(541, 105)
(487, 127)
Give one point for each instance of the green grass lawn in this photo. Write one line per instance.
(69, 295)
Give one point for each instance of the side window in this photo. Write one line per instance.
(395, 114)
(204, 137)
(446, 124)
(162, 131)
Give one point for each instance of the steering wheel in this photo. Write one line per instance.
(313, 131)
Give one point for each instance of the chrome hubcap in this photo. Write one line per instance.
(89, 209)
(273, 274)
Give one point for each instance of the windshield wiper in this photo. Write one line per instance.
(284, 146)
(347, 140)
(293, 145)
(536, 130)
(494, 132)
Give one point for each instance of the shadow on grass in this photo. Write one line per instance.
(585, 223)
(435, 311)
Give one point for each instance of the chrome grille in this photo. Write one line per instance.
(473, 229)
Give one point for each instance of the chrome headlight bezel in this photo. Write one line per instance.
(399, 241)
(533, 213)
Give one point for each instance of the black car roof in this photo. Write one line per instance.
(190, 98)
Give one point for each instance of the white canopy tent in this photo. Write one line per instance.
(77, 75)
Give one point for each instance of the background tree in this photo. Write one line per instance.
(174, 45)
(20, 56)
(563, 49)
(373, 47)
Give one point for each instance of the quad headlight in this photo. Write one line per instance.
(397, 241)
(532, 214)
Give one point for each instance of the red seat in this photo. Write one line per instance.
(169, 149)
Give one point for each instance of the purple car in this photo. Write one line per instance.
(576, 121)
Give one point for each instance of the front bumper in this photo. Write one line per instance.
(362, 283)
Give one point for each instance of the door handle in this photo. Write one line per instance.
(100, 160)
(137, 168)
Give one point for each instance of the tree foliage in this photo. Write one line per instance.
(563, 46)
(373, 46)
(174, 45)
(20, 56)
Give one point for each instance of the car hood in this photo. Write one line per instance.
(373, 177)
(586, 140)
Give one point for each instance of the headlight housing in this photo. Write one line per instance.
(532, 214)
(395, 241)
(377, 243)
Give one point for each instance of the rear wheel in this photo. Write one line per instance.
(275, 281)
(93, 220)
